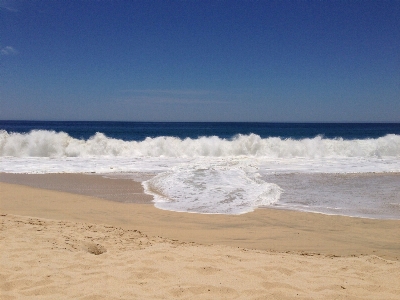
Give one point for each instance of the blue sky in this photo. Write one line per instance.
(262, 61)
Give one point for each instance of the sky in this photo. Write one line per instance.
(245, 61)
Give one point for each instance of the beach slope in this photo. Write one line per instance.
(67, 246)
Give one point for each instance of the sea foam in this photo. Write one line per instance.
(42, 143)
(226, 187)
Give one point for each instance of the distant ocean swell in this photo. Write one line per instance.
(44, 143)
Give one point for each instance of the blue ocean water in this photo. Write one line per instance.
(137, 131)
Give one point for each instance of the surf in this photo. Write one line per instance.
(47, 143)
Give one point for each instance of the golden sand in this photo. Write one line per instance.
(57, 245)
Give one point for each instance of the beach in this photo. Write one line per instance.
(194, 150)
(62, 244)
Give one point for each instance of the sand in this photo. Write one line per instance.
(58, 245)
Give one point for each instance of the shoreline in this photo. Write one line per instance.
(86, 184)
(124, 188)
(264, 229)
(59, 245)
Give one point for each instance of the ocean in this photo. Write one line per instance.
(224, 168)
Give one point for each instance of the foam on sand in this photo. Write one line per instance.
(214, 188)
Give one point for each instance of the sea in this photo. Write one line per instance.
(349, 169)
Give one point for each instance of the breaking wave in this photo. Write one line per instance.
(43, 143)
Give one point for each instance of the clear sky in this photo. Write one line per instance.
(262, 61)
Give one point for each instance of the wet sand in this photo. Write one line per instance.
(50, 240)
(99, 186)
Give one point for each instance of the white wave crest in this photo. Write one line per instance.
(42, 143)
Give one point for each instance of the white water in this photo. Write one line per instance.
(204, 175)
(223, 187)
(40, 143)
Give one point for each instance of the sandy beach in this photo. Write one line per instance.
(60, 244)
(199, 150)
